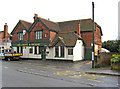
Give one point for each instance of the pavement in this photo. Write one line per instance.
(100, 71)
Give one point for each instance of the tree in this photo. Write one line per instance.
(111, 45)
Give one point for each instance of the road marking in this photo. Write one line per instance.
(25, 68)
(95, 80)
(42, 71)
(67, 72)
(92, 76)
(75, 76)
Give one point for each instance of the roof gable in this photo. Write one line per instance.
(59, 42)
(68, 39)
(26, 24)
(49, 25)
(38, 25)
(21, 25)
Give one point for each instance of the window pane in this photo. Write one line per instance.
(57, 51)
(35, 49)
(70, 51)
(40, 34)
(31, 50)
(20, 36)
(62, 51)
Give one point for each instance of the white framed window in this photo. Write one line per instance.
(59, 51)
(70, 51)
(38, 35)
(20, 36)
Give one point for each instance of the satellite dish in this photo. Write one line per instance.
(24, 32)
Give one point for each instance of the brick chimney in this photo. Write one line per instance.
(35, 16)
(5, 31)
(78, 29)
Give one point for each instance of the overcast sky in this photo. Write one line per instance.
(106, 13)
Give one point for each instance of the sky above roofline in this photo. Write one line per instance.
(106, 13)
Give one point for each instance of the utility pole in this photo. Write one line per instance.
(93, 35)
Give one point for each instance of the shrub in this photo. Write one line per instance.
(115, 58)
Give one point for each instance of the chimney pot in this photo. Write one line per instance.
(35, 16)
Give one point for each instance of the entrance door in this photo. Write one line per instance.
(43, 54)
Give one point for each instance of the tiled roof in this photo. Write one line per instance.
(69, 39)
(85, 25)
(26, 24)
(51, 25)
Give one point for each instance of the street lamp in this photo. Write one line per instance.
(93, 34)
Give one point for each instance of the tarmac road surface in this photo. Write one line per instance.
(38, 73)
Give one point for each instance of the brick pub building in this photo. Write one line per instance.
(68, 40)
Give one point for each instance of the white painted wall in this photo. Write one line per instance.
(51, 54)
(6, 45)
(78, 51)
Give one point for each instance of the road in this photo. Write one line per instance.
(37, 73)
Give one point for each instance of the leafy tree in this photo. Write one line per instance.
(111, 45)
(119, 49)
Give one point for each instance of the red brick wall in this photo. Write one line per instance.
(39, 26)
(19, 29)
(14, 37)
(88, 38)
(32, 35)
(45, 32)
(98, 38)
(105, 58)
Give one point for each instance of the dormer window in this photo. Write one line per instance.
(38, 35)
(20, 36)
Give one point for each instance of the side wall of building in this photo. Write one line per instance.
(78, 51)
(88, 38)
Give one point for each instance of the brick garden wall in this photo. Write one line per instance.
(104, 59)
